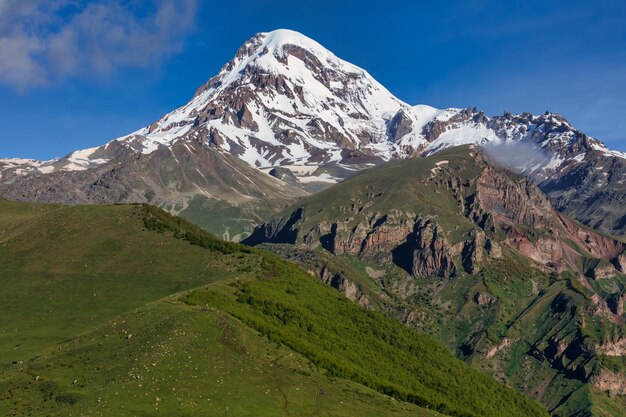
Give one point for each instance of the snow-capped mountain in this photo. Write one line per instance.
(302, 119)
(549, 134)
(282, 100)
(286, 100)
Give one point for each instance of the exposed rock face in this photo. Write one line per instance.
(611, 308)
(431, 257)
(598, 245)
(187, 174)
(493, 249)
(399, 126)
(578, 174)
(386, 232)
(475, 251)
(592, 191)
(483, 298)
(170, 175)
(548, 132)
(620, 262)
(280, 230)
(451, 216)
(514, 206)
(343, 285)
(416, 245)
(613, 348)
(284, 175)
(611, 382)
(506, 342)
(511, 202)
(603, 272)
(562, 343)
(616, 304)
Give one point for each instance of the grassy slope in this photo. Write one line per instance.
(182, 361)
(178, 353)
(524, 313)
(230, 222)
(64, 270)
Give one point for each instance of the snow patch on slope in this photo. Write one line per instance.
(465, 135)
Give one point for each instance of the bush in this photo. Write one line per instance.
(160, 221)
(70, 398)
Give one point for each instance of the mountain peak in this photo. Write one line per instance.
(270, 52)
(285, 99)
(276, 39)
(285, 41)
(282, 42)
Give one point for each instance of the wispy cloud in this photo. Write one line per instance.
(46, 40)
(519, 157)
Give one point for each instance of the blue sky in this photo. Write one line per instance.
(77, 74)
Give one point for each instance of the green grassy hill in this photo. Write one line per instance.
(172, 359)
(65, 270)
(103, 319)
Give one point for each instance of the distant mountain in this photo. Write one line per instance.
(214, 189)
(303, 119)
(478, 257)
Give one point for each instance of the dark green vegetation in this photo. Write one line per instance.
(477, 258)
(288, 307)
(527, 333)
(96, 326)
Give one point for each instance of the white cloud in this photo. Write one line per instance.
(46, 40)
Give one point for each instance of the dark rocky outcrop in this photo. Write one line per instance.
(281, 230)
(342, 284)
(399, 126)
(431, 256)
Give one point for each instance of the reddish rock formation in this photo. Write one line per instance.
(432, 256)
(504, 209)
(515, 206)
